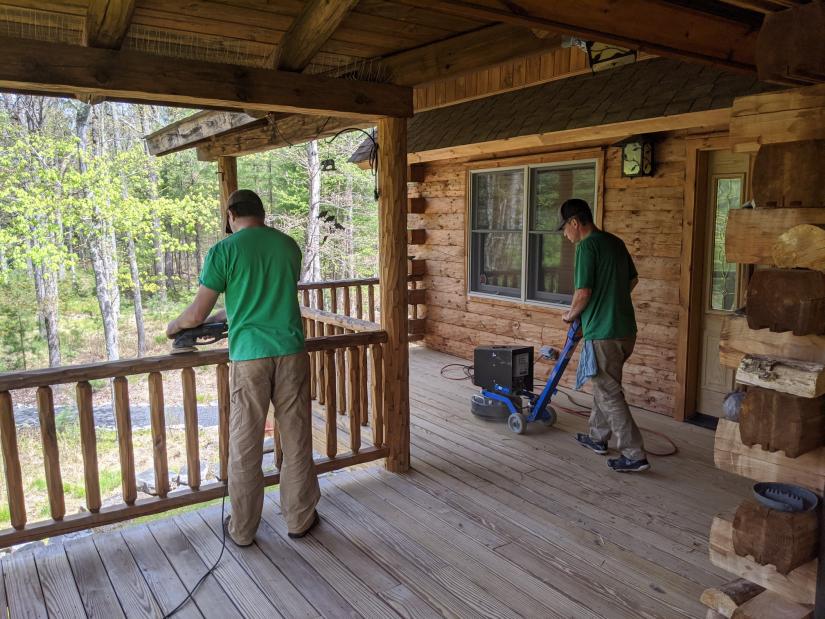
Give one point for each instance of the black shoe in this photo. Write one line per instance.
(228, 536)
(315, 520)
(584, 439)
(623, 465)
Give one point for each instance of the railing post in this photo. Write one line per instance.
(392, 239)
(222, 374)
(88, 444)
(11, 462)
(190, 420)
(354, 395)
(377, 380)
(51, 457)
(322, 384)
(124, 440)
(332, 421)
(158, 421)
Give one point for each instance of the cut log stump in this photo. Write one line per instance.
(781, 422)
(726, 598)
(770, 605)
(805, 379)
(802, 246)
(787, 300)
(783, 539)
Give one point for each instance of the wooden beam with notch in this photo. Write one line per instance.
(107, 22)
(135, 76)
(195, 128)
(286, 131)
(658, 27)
(309, 31)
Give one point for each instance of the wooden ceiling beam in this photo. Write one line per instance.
(135, 76)
(107, 22)
(313, 27)
(277, 133)
(650, 25)
(183, 133)
(467, 52)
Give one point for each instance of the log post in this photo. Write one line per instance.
(392, 258)
(123, 418)
(158, 422)
(190, 419)
(11, 462)
(228, 178)
(51, 458)
(88, 445)
(222, 375)
(329, 387)
(321, 361)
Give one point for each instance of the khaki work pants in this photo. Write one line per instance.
(611, 415)
(284, 381)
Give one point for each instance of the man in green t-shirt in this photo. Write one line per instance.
(257, 269)
(604, 276)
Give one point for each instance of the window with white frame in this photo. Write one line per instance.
(516, 250)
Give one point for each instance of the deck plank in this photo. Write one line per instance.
(161, 577)
(190, 566)
(132, 591)
(268, 577)
(23, 590)
(57, 581)
(351, 588)
(239, 588)
(96, 590)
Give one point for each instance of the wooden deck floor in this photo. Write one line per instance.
(488, 524)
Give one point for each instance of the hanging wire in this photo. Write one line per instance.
(373, 155)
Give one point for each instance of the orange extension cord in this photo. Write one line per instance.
(584, 412)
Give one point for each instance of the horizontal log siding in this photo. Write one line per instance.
(646, 213)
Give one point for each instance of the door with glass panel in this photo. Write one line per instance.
(723, 282)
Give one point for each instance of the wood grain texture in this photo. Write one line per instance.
(123, 419)
(752, 233)
(51, 455)
(228, 181)
(190, 419)
(107, 22)
(88, 445)
(376, 393)
(331, 404)
(222, 380)
(392, 173)
(310, 30)
(802, 246)
(738, 340)
(158, 420)
(354, 397)
(11, 462)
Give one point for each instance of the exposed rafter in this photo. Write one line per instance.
(107, 22)
(314, 26)
(658, 27)
(194, 128)
(133, 76)
(467, 52)
(276, 133)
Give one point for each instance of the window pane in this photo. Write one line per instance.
(550, 268)
(552, 186)
(496, 263)
(498, 200)
(723, 279)
(551, 256)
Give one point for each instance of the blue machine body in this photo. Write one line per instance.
(539, 401)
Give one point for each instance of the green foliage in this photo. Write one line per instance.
(109, 480)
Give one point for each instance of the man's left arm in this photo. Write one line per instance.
(196, 313)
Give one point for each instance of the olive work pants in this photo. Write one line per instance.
(610, 415)
(283, 381)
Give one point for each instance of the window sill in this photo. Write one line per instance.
(494, 299)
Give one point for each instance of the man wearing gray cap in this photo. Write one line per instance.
(257, 269)
(604, 275)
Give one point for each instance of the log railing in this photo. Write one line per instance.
(356, 298)
(360, 342)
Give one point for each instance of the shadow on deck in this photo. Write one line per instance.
(487, 524)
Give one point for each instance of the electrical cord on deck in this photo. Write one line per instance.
(584, 412)
(190, 594)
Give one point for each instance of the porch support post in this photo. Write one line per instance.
(392, 258)
(228, 178)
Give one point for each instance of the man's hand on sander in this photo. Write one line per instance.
(196, 314)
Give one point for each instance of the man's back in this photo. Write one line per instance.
(258, 269)
(604, 265)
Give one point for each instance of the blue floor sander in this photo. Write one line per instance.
(505, 375)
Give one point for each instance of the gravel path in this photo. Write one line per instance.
(26, 416)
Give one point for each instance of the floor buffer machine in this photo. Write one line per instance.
(505, 375)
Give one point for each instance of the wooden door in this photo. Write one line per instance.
(723, 282)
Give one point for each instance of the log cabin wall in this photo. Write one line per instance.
(645, 212)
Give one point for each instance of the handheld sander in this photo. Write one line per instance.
(208, 333)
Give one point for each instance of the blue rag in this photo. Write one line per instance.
(587, 364)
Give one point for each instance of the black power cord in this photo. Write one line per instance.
(190, 594)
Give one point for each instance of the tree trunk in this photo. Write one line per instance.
(101, 237)
(311, 270)
(350, 231)
(157, 237)
(138, 296)
(198, 250)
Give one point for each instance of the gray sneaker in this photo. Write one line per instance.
(584, 439)
(624, 465)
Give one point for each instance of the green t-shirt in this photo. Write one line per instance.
(604, 265)
(258, 269)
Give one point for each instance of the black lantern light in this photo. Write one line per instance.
(328, 165)
(637, 156)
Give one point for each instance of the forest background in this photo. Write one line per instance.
(101, 242)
